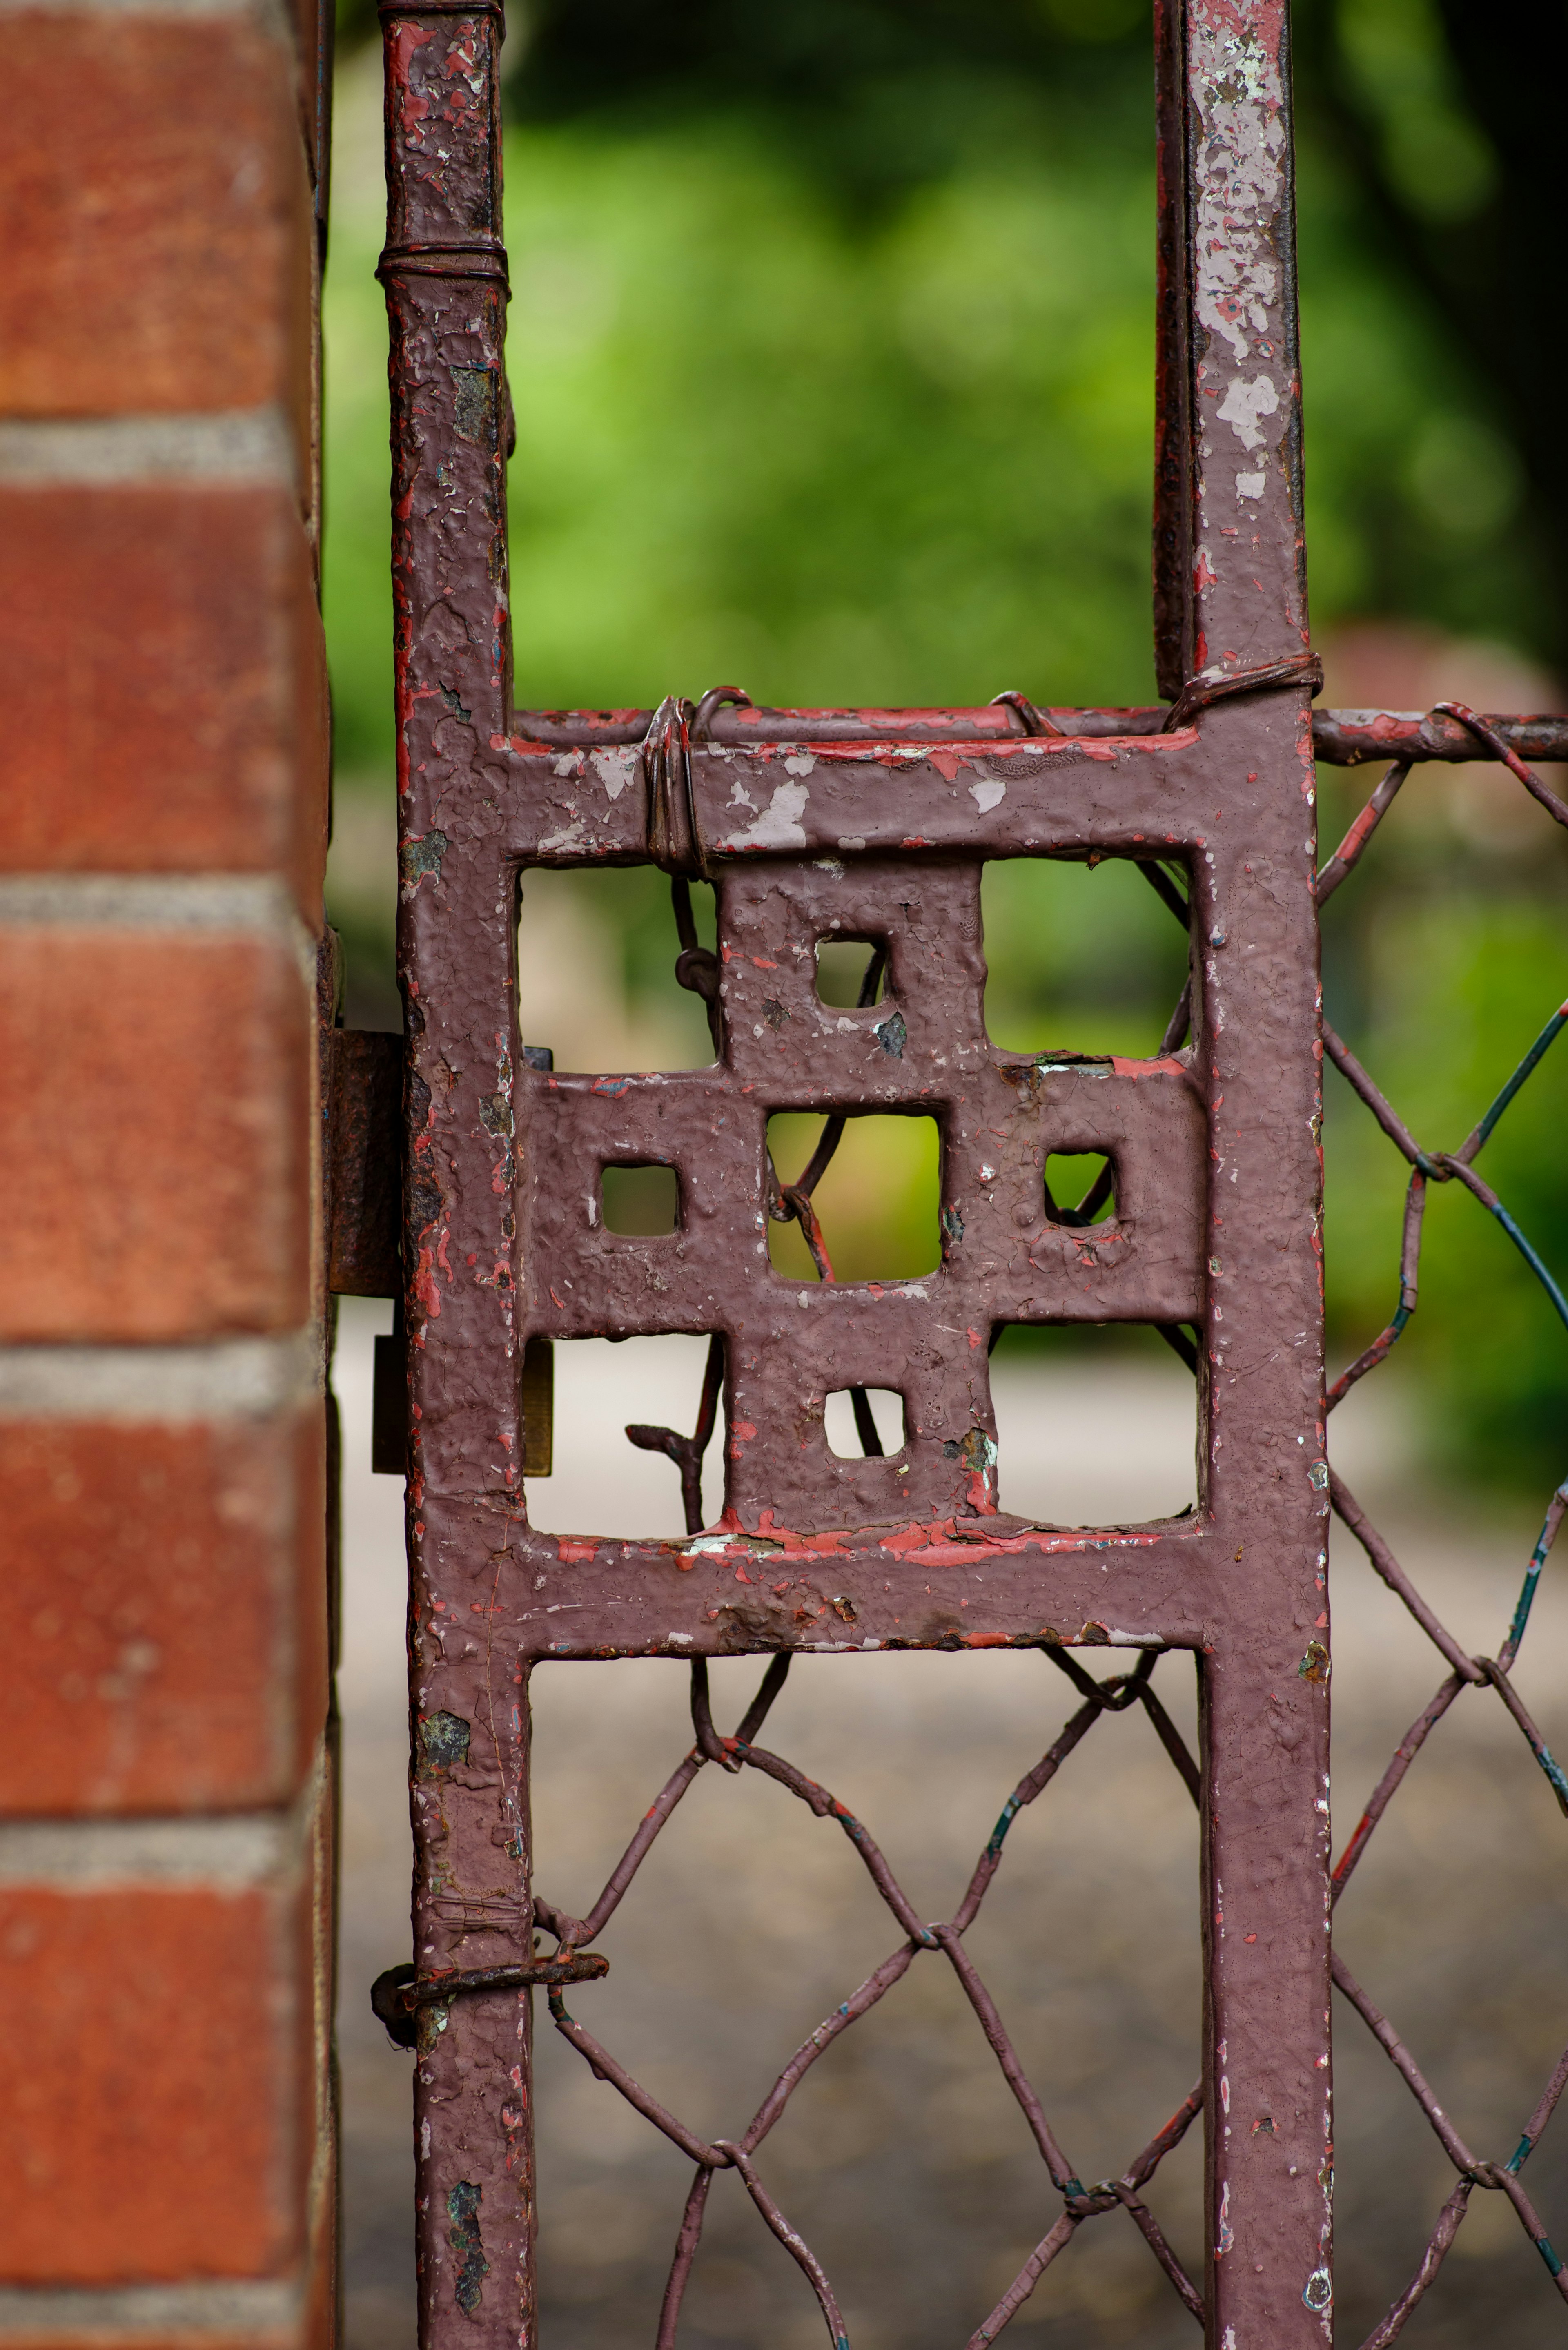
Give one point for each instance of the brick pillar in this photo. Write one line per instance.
(166, 2171)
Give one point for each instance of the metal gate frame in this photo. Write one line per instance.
(875, 825)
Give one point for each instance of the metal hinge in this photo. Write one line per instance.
(364, 1256)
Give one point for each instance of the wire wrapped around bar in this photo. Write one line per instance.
(456, 261)
(397, 1996)
(671, 796)
(1210, 686)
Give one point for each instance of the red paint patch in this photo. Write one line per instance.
(424, 1284)
(906, 1538)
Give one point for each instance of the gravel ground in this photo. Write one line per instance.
(903, 2159)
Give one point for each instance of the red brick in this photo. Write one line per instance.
(154, 218)
(167, 1596)
(155, 1146)
(153, 2131)
(160, 673)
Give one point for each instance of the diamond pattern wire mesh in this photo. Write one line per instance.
(696, 969)
(1464, 1671)
(1079, 2202)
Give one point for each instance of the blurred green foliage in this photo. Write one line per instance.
(877, 1204)
(832, 360)
(1444, 957)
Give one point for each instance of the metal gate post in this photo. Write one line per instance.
(1217, 1219)
(445, 271)
(1230, 596)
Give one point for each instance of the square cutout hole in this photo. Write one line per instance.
(596, 971)
(639, 1199)
(602, 1483)
(851, 973)
(1080, 1188)
(878, 1202)
(864, 1424)
(1081, 958)
(1096, 1425)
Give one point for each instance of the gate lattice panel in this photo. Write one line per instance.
(874, 825)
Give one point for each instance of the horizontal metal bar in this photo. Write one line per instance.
(1348, 738)
(1341, 738)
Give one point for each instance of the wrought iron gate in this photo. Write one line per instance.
(874, 825)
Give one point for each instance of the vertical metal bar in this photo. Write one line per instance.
(1233, 376)
(445, 274)
(1172, 429)
(1239, 396)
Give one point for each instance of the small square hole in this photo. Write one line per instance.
(878, 1202)
(851, 972)
(864, 1424)
(640, 1201)
(1096, 1425)
(1080, 1188)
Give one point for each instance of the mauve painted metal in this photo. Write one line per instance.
(881, 824)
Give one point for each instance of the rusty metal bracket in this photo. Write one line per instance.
(366, 1164)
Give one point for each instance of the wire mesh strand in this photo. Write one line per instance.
(1116, 1694)
(1466, 1672)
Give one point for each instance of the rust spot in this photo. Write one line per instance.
(476, 405)
(444, 1738)
(422, 855)
(472, 2268)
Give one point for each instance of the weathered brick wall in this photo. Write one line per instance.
(166, 2172)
